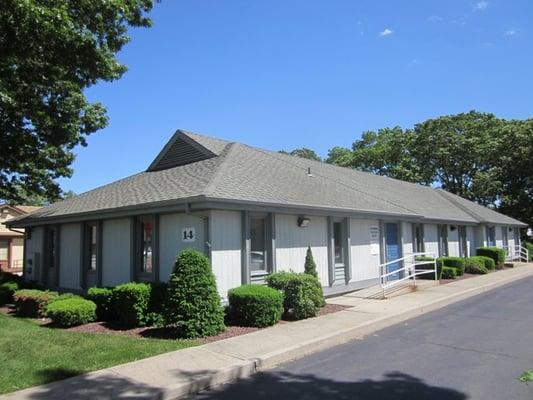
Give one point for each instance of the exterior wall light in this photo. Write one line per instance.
(303, 222)
(453, 227)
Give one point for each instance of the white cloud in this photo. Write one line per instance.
(386, 32)
(482, 5)
(434, 18)
(510, 32)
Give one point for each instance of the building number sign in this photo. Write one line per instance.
(188, 235)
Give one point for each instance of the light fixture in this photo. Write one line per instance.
(303, 222)
(453, 227)
(510, 229)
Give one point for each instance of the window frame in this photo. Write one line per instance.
(444, 250)
(140, 247)
(266, 253)
(419, 246)
(89, 226)
(342, 240)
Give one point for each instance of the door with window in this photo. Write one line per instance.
(392, 249)
(91, 256)
(491, 236)
(418, 238)
(463, 243)
(443, 240)
(51, 256)
(259, 257)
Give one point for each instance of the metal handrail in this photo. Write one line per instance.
(519, 253)
(409, 269)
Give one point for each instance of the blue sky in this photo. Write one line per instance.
(287, 74)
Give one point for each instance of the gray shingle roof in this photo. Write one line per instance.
(236, 172)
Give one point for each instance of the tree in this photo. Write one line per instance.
(50, 53)
(193, 304)
(310, 265)
(304, 152)
(340, 156)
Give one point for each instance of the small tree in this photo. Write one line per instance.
(310, 265)
(193, 305)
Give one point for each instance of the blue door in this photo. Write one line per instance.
(392, 249)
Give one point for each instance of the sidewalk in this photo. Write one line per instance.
(183, 372)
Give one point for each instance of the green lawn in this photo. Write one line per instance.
(32, 355)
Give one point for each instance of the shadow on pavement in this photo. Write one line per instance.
(284, 385)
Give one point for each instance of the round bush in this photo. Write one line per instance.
(255, 305)
(71, 311)
(487, 262)
(448, 273)
(103, 298)
(193, 305)
(130, 301)
(497, 254)
(474, 265)
(32, 302)
(6, 291)
(453, 262)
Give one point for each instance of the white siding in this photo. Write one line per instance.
(34, 254)
(453, 241)
(471, 239)
(225, 236)
(364, 263)
(407, 239)
(170, 241)
(69, 256)
(116, 253)
(481, 236)
(431, 238)
(292, 243)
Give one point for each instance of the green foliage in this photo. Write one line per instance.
(302, 293)
(487, 262)
(453, 262)
(130, 301)
(6, 291)
(497, 254)
(304, 152)
(193, 305)
(475, 265)
(9, 277)
(103, 298)
(529, 247)
(310, 265)
(526, 376)
(255, 305)
(52, 51)
(156, 305)
(32, 302)
(449, 273)
(71, 311)
(428, 276)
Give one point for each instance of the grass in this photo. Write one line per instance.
(526, 376)
(33, 355)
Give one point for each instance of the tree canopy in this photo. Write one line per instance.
(303, 152)
(51, 51)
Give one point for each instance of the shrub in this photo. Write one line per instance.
(130, 302)
(103, 298)
(428, 276)
(32, 302)
(9, 277)
(475, 265)
(71, 311)
(453, 262)
(302, 293)
(529, 247)
(156, 305)
(310, 265)
(193, 305)
(6, 291)
(487, 262)
(255, 305)
(449, 273)
(497, 254)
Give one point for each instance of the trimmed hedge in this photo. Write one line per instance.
(71, 311)
(32, 302)
(475, 265)
(103, 298)
(449, 273)
(193, 306)
(497, 254)
(487, 262)
(6, 292)
(453, 262)
(255, 305)
(302, 293)
(130, 302)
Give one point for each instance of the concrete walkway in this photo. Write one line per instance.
(177, 374)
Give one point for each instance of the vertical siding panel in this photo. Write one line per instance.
(431, 238)
(471, 240)
(292, 242)
(34, 253)
(116, 256)
(407, 234)
(453, 241)
(226, 244)
(364, 263)
(69, 259)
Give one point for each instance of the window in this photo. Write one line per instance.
(491, 236)
(146, 224)
(91, 243)
(258, 235)
(51, 247)
(338, 242)
(463, 244)
(4, 250)
(443, 240)
(418, 238)
(505, 239)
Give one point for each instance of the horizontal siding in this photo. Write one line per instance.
(431, 238)
(225, 238)
(364, 263)
(292, 242)
(116, 253)
(69, 256)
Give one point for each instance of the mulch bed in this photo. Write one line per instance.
(167, 333)
(468, 276)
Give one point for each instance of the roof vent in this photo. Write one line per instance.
(309, 174)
